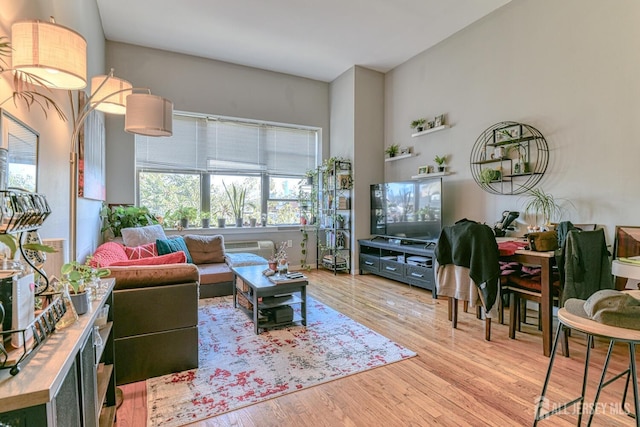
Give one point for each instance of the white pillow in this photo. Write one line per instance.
(136, 236)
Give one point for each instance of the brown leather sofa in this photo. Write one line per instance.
(155, 320)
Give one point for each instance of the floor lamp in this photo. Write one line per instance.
(54, 56)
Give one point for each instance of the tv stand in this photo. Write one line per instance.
(403, 259)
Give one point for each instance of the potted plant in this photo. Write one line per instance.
(115, 218)
(184, 215)
(487, 175)
(205, 218)
(263, 219)
(236, 195)
(441, 162)
(544, 205)
(418, 124)
(392, 150)
(76, 277)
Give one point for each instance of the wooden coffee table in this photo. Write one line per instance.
(262, 294)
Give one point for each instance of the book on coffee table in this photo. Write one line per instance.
(287, 278)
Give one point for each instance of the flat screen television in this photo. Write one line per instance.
(410, 209)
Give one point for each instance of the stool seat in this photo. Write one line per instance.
(591, 327)
(613, 334)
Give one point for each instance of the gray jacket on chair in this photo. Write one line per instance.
(587, 267)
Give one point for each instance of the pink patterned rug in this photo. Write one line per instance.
(239, 368)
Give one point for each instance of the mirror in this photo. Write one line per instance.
(18, 154)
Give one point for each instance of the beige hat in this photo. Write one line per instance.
(609, 307)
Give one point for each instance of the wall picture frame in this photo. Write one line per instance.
(439, 120)
(423, 170)
(507, 133)
(91, 155)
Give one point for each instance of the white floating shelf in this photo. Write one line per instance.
(430, 175)
(426, 131)
(402, 156)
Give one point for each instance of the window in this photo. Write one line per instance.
(191, 168)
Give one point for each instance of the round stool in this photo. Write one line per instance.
(613, 334)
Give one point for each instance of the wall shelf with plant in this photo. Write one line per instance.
(400, 157)
(518, 151)
(428, 131)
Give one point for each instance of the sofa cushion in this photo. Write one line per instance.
(241, 259)
(136, 236)
(108, 253)
(172, 258)
(205, 249)
(142, 251)
(215, 273)
(167, 246)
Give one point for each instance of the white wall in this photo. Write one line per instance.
(569, 68)
(55, 135)
(212, 87)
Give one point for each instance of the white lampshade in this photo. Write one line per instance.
(114, 91)
(149, 115)
(55, 54)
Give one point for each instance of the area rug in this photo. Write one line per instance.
(239, 368)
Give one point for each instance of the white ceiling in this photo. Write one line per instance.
(318, 39)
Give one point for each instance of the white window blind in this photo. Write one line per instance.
(202, 144)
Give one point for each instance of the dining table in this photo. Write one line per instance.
(546, 261)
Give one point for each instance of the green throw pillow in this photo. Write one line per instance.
(168, 246)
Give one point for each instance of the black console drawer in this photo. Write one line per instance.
(391, 269)
(419, 276)
(369, 263)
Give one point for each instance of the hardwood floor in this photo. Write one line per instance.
(457, 379)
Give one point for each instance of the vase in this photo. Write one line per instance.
(70, 315)
(80, 302)
(252, 222)
(221, 222)
(205, 222)
(238, 222)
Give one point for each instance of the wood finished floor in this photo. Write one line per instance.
(457, 379)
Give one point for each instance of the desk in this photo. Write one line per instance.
(545, 260)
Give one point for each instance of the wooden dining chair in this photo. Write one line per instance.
(587, 269)
(466, 257)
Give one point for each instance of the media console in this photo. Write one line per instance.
(405, 260)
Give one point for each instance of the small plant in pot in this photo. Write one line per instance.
(392, 150)
(205, 218)
(236, 195)
(418, 124)
(441, 161)
(545, 205)
(76, 277)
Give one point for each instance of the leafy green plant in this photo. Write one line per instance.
(392, 150)
(487, 176)
(78, 274)
(115, 218)
(236, 195)
(440, 160)
(11, 242)
(543, 204)
(418, 123)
